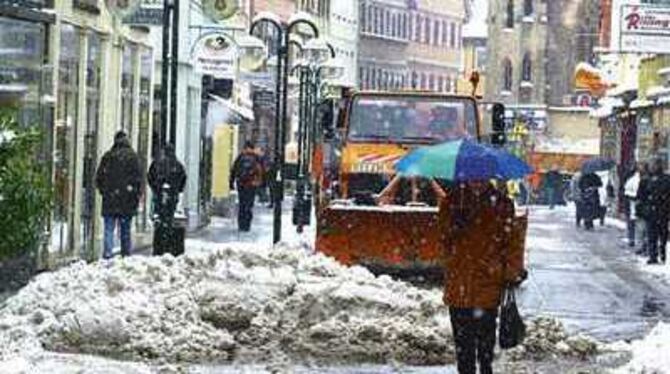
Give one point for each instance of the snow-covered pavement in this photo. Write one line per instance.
(233, 304)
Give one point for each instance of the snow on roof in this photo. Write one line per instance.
(569, 146)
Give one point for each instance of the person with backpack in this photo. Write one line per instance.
(247, 176)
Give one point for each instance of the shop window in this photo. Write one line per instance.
(144, 105)
(394, 28)
(93, 79)
(527, 68)
(127, 88)
(507, 75)
(67, 116)
(509, 19)
(527, 7)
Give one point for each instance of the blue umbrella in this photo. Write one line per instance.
(597, 164)
(462, 161)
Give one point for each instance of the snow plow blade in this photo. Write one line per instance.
(392, 240)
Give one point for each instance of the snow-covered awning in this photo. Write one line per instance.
(601, 112)
(656, 91)
(641, 103)
(663, 100)
(613, 102)
(243, 112)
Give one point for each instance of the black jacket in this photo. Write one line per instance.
(119, 180)
(167, 172)
(656, 197)
(553, 180)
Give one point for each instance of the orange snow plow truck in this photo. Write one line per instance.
(354, 165)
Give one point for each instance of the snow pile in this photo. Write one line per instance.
(650, 355)
(226, 305)
(547, 338)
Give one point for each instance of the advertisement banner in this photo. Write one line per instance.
(645, 29)
(216, 55)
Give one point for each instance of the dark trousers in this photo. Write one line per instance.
(658, 238)
(165, 207)
(245, 212)
(475, 337)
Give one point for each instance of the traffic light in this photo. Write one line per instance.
(498, 135)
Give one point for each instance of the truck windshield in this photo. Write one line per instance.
(412, 119)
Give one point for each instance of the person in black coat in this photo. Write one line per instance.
(589, 184)
(119, 180)
(656, 197)
(167, 179)
(554, 185)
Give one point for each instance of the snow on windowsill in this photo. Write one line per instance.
(528, 19)
(508, 29)
(505, 93)
(544, 19)
(527, 84)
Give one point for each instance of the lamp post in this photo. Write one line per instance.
(312, 83)
(283, 33)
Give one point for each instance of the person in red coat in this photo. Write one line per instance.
(476, 222)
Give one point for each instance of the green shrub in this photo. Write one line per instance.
(25, 196)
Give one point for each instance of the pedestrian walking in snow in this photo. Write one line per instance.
(657, 198)
(576, 197)
(641, 210)
(167, 179)
(247, 176)
(476, 222)
(589, 184)
(553, 183)
(119, 180)
(634, 223)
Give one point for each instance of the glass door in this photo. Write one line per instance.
(87, 214)
(67, 113)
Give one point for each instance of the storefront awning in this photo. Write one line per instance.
(641, 103)
(601, 112)
(243, 112)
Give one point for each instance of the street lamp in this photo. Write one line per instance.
(321, 66)
(284, 33)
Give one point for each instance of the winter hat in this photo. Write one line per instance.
(120, 135)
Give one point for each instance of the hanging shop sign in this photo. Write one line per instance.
(149, 12)
(216, 55)
(122, 8)
(220, 10)
(645, 29)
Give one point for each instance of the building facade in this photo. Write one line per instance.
(83, 76)
(435, 44)
(383, 44)
(534, 47)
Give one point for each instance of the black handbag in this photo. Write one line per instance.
(512, 330)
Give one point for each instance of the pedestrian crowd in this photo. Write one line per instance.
(647, 193)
